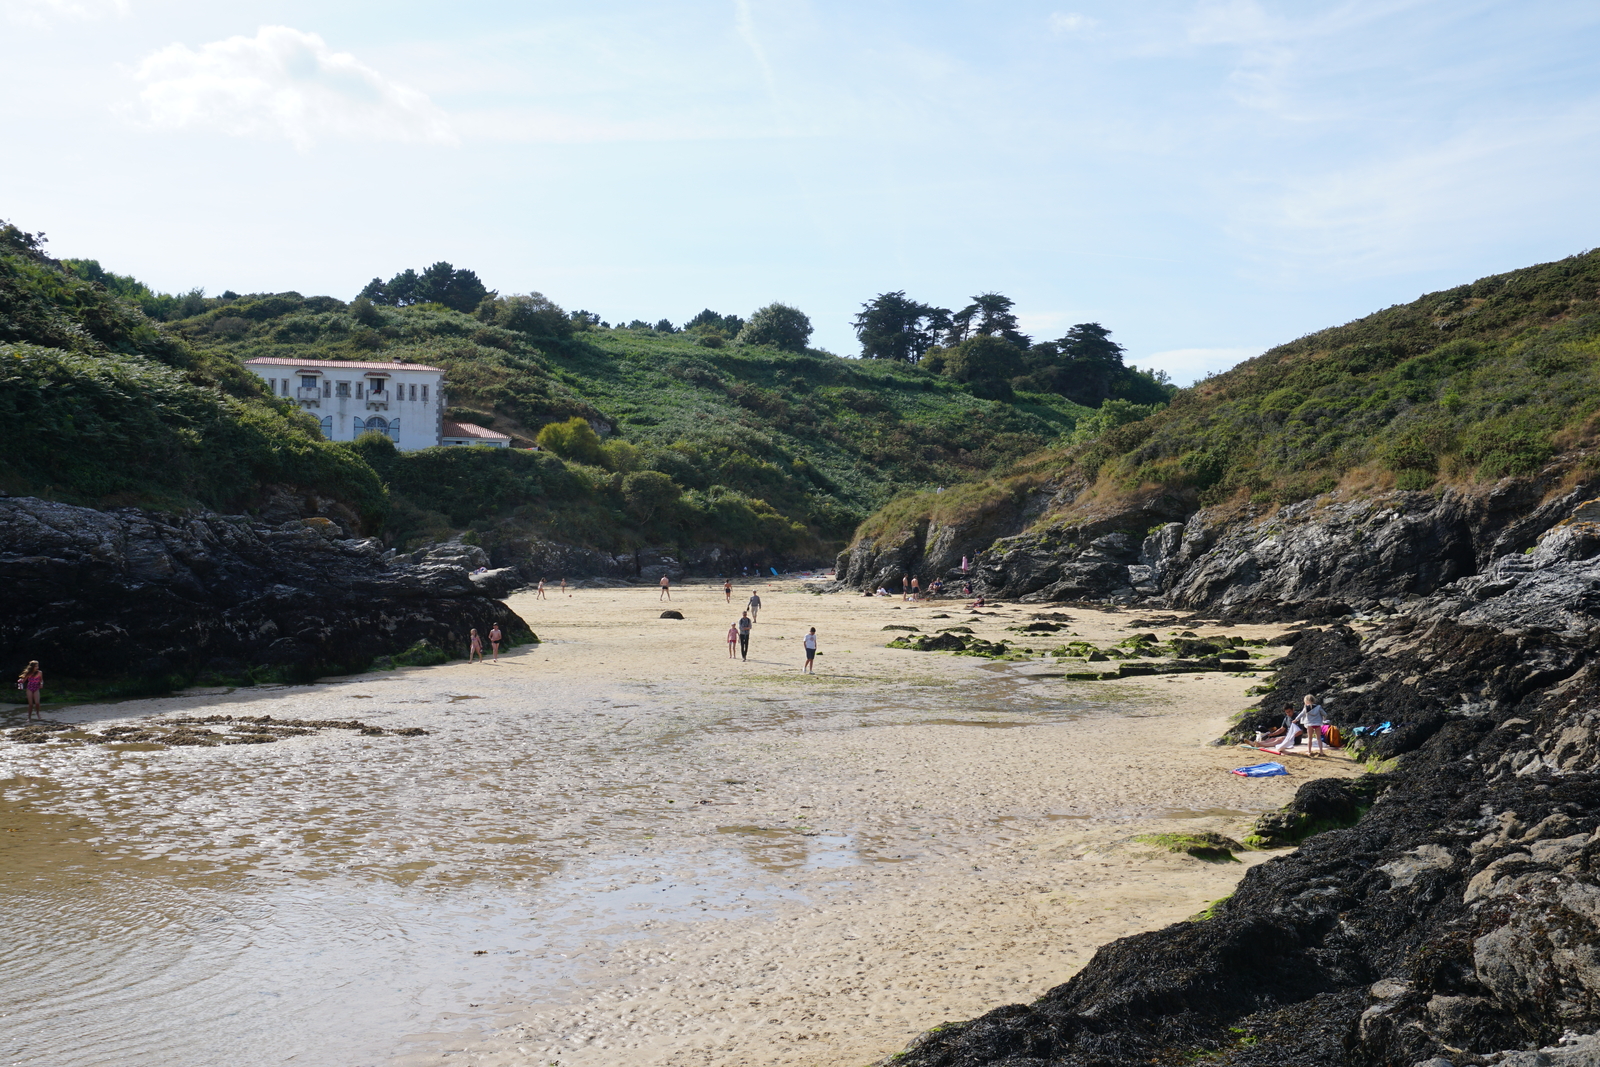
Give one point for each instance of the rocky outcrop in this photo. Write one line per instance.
(137, 594)
(1323, 557)
(1444, 912)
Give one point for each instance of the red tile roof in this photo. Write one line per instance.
(469, 429)
(343, 364)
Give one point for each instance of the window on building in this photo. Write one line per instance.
(308, 381)
(413, 392)
(424, 394)
(327, 427)
(358, 390)
(284, 384)
(327, 388)
(376, 387)
(341, 389)
(394, 431)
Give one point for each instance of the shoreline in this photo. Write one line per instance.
(705, 862)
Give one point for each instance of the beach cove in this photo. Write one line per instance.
(616, 846)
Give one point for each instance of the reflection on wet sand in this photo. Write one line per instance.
(572, 846)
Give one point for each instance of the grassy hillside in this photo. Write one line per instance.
(130, 396)
(763, 448)
(1463, 386)
(102, 407)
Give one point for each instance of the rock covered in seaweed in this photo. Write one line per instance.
(131, 593)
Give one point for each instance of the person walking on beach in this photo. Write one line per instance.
(474, 647)
(727, 590)
(495, 637)
(541, 595)
(733, 638)
(30, 681)
(754, 606)
(811, 651)
(666, 589)
(905, 587)
(744, 625)
(564, 586)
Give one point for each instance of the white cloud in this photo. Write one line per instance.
(40, 13)
(1061, 22)
(282, 83)
(1189, 365)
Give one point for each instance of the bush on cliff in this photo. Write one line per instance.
(106, 408)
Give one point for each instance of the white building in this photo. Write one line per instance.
(467, 433)
(403, 400)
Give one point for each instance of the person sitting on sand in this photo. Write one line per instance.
(881, 591)
(1279, 732)
(474, 647)
(30, 681)
(975, 605)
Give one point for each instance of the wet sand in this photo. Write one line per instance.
(618, 846)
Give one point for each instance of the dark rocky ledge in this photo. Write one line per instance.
(1445, 911)
(128, 594)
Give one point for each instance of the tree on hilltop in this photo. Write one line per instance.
(892, 326)
(459, 290)
(779, 326)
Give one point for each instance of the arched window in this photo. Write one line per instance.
(379, 423)
(360, 425)
(394, 431)
(327, 427)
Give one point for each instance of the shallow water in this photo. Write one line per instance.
(317, 900)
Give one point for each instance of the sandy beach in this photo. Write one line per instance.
(620, 846)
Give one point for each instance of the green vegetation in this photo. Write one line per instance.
(1209, 846)
(1466, 385)
(105, 408)
(727, 431)
(1463, 387)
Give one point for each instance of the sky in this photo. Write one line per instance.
(1206, 179)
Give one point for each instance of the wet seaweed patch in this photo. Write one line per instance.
(198, 732)
(1205, 845)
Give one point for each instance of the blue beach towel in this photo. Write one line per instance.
(1261, 770)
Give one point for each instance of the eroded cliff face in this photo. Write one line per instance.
(1457, 921)
(135, 594)
(1322, 557)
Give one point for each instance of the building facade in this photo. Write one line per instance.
(404, 401)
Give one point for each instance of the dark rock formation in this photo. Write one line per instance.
(1446, 911)
(136, 594)
(1321, 558)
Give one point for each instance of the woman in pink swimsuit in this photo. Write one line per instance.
(475, 647)
(30, 681)
(733, 639)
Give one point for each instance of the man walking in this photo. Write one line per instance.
(744, 636)
(754, 606)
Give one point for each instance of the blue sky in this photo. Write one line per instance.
(1205, 178)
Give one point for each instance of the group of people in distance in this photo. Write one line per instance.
(911, 588)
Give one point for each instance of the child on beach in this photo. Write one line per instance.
(30, 681)
(474, 647)
(1312, 719)
(811, 651)
(727, 590)
(541, 595)
(495, 637)
(733, 638)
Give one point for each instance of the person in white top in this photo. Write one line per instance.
(1312, 717)
(811, 651)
